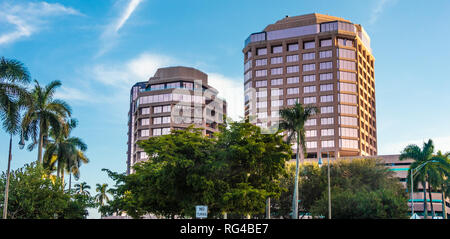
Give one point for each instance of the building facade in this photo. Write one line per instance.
(174, 98)
(316, 60)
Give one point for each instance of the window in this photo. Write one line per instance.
(349, 76)
(261, 73)
(328, 144)
(347, 98)
(261, 83)
(325, 54)
(262, 115)
(157, 120)
(276, 71)
(277, 49)
(326, 109)
(156, 132)
(293, 91)
(345, 120)
(347, 109)
(293, 47)
(262, 104)
(145, 133)
(165, 131)
(311, 133)
(326, 76)
(157, 87)
(145, 121)
(248, 76)
(309, 45)
(292, 101)
(166, 120)
(327, 87)
(249, 54)
(173, 85)
(326, 121)
(311, 144)
(309, 56)
(261, 62)
(261, 94)
(326, 42)
(309, 78)
(345, 53)
(190, 85)
(311, 122)
(309, 67)
(276, 82)
(277, 103)
(348, 65)
(248, 65)
(276, 60)
(326, 27)
(348, 132)
(157, 109)
(309, 100)
(166, 108)
(145, 111)
(348, 143)
(261, 51)
(345, 42)
(309, 89)
(327, 132)
(292, 58)
(292, 69)
(292, 80)
(326, 65)
(275, 113)
(346, 87)
(326, 98)
(277, 92)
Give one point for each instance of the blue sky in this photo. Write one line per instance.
(99, 49)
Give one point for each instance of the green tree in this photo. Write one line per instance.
(254, 163)
(42, 113)
(293, 121)
(101, 197)
(34, 194)
(430, 169)
(14, 76)
(360, 189)
(82, 189)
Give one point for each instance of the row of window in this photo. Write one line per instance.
(346, 132)
(344, 98)
(155, 132)
(172, 85)
(341, 64)
(341, 75)
(171, 97)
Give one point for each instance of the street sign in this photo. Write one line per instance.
(201, 211)
(414, 216)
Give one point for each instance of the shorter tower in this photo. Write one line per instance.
(174, 98)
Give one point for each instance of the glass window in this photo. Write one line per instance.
(311, 122)
(261, 83)
(348, 65)
(345, 53)
(325, 54)
(309, 89)
(293, 47)
(326, 98)
(345, 42)
(311, 133)
(292, 58)
(309, 100)
(292, 101)
(325, 42)
(276, 82)
(145, 133)
(277, 49)
(276, 71)
(326, 65)
(328, 144)
(276, 60)
(327, 132)
(326, 109)
(260, 73)
(349, 76)
(292, 69)
(347, 87)
(276, 103)
(327, 121)
(326, 76)
(156, 132)
(293, 91)
(261, 51)
(145, 121)
(292, 80)
(347, 109)
(276, 92)
(309, 78)
(348, 143)
(309, 56)
(311, 144)
(262, 104)
(261, 94)
(348, 132)
(309, 67)
(145, 111)
(261, 62)
(309, 45)
(327, 87)
(345, 120)
(347, 98)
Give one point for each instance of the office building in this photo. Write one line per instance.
(316, 60)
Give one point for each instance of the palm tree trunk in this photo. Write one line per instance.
(444, 207)
(295, 199)
(425, 208)
(70, 181)
(431, 200)
(5, 207)
(41, 143)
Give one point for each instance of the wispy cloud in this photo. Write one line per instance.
(379, 9)
(109, 36)
(29, 18)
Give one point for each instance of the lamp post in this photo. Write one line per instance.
(413, 172)
(329, 187)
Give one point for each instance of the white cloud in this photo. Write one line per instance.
(109, 36)
(29, 18)
(232, 90)
(378, 10)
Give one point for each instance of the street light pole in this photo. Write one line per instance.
(329, 187)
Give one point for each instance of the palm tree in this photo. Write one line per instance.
(293, 121)
(44, 112)
(81, 188)
(438, 173)
(430, 169)
(13, 78)
(101, 196)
